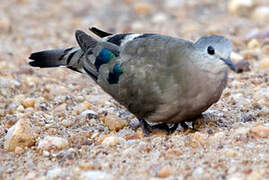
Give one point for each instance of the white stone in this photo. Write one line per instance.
(95, 175)
(159, 18)
(91, 112)
(239, 6)
(54, 173)
(261, 14)
(113, 140)
(51, 142)
(20, 134)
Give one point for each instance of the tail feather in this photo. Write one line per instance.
(49, 58)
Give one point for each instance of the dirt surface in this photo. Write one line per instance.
(58, 124)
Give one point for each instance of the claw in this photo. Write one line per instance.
(147, 129)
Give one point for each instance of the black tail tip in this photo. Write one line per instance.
(38, 59)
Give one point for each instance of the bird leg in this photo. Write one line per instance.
(147, 129)
(192, 120)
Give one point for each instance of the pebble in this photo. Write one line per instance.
(260, 131)
(88, 113)
(19, 150)
(19, 135)
(52, 142)
(159, 18)
(257, 175)
(113, 140)
(165, 172)
(28, 102)
(236, 57)
(46, 153)
(67, 123)
(197, 139)
(113, 122)
(5, 25)
(137, 26)
(173, 4)
(60, 109)
(261, 14)
(253, 44)
(242, 66)
(174, 151)
(94, 175)
(240, 6)
(230, 153)
(20, 108)
(142, 8)
(198, 172)
(54, 173)
(264, 63)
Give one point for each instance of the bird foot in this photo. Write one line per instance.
(147, 129)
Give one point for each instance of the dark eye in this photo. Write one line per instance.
(210, 50)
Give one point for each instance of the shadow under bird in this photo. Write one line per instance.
(158, 78)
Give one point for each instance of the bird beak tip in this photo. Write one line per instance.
(231, 65)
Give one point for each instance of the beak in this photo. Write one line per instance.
(230, 63)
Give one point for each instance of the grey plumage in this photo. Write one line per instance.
(158, 78)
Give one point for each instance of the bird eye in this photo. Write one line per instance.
(210, 50)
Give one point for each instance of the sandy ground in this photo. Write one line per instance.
(58, 124)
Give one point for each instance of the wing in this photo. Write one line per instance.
(146, 68)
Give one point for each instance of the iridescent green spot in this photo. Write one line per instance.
(113, 77)
(103, 58)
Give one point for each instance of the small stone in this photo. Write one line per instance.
(261, 14)
(257, 175)
(46, 153)
(159, 18)
(52, 142)
(90, 113)
(248, 118)
(260, 131)
(240, 6)
(242, 66)
(174, 152)
(165, 172)
(236, 57)
(28, 102)
(264, 63)
(18, 99)
(94, 175)
(114, 122)
(137, 26)
(230, 153)
(86, 105)
(254, 44)
(173, 4)
(19, 150)
(142, 8)
(86, 166)
(113, 140)
(197, 139)
(80, 98)
(67, 123)
(20, 108)
(54, 173)
(198, 172)
(19, 135)
(59, 110)
(5, 25)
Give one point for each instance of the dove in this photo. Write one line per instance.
(164, 81)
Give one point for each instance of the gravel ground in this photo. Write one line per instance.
(58, 124)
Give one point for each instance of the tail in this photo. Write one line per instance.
(59, 57)
(87, 58)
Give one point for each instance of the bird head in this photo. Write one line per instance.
(216, 50)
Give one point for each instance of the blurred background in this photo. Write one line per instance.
(56, 101)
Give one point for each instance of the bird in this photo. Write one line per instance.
(164, 81)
